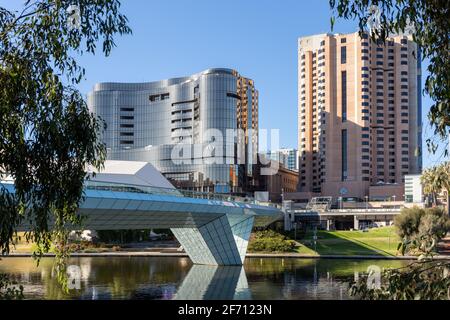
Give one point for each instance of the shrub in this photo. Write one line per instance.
(407, 223)
(421, 229)
(270, 241)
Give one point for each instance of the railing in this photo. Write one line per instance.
(367, 210)
(120, 187)
(344, 211)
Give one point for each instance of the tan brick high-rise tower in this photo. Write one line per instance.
(359, 113)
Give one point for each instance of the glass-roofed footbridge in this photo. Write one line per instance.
(213, 228)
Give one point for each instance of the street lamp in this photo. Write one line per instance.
(367, 202)
(295, 230)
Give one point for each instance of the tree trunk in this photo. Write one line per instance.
(448, 202)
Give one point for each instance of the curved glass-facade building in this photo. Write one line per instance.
(179, 124)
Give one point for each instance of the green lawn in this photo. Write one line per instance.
(377, 241)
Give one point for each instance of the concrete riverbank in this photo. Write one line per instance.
(249, 255)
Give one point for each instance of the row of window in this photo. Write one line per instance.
(159, 97)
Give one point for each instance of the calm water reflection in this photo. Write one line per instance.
(177, 278)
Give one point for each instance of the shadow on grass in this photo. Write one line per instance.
(328, 243)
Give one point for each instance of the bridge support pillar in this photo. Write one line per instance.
(222, 241)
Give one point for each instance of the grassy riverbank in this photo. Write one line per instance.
(377, 241)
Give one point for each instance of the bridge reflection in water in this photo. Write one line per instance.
(214, 283)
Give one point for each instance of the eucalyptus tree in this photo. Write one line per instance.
(420, 230)
(427, 278)
(47, 134)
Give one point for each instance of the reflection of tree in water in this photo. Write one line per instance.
(122, 277)
(105, 277)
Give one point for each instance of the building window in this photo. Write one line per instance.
(344, 95)
(126, 142)
(127, 117)
(127, 125)
(344, 154)
(158, 97)
(155, 97)
(344, 54)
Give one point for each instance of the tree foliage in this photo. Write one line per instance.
(431, 30)
(421, 229)
(9, 290)
(421, 280)
(47, 135)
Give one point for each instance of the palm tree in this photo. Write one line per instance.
(444, 181)
(429, 184)
(436, 180)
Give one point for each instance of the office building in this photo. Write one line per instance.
(413, 189)
(288, 157)
(359, 113)
(181, 126)
(280, 182)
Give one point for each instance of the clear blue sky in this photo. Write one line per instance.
(258, 38)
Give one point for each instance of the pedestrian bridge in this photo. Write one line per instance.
(213, 229)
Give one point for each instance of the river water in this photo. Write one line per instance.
(178, 278)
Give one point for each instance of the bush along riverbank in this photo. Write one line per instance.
(269, 241)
